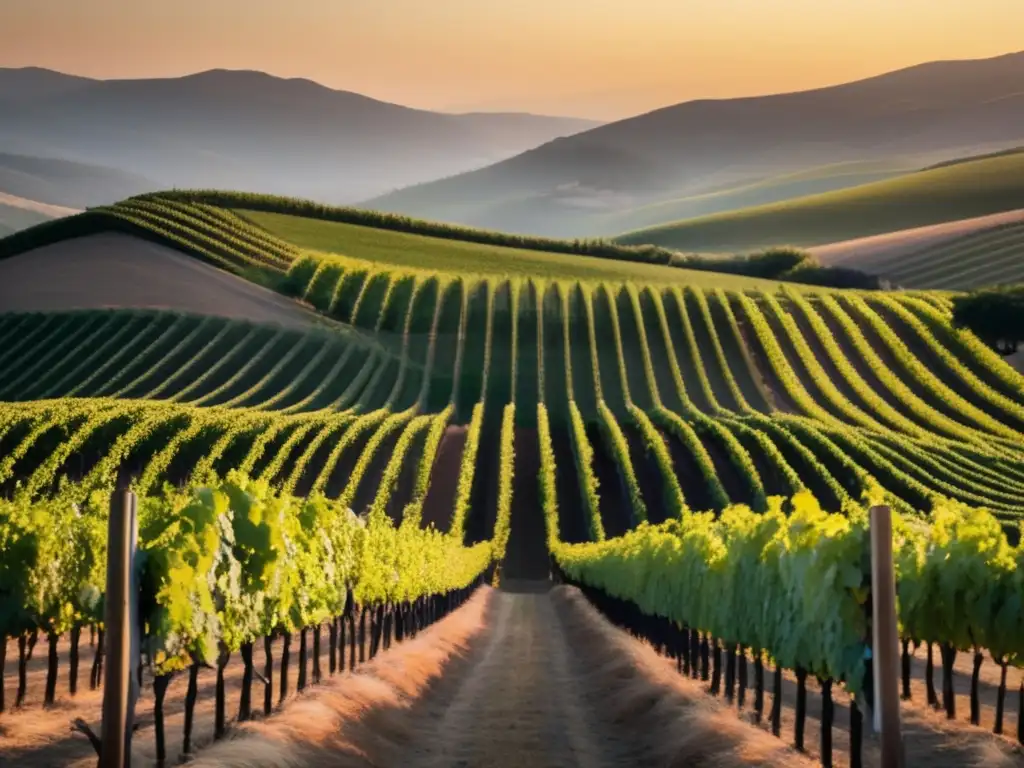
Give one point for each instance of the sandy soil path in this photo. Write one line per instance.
(523, 676)
(521, 706)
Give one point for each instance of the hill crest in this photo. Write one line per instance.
(920, 114)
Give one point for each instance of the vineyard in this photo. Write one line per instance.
(988, 256)
(693, 453)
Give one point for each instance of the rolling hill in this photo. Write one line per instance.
(495, 414)
(14, 218)
(64, 183)
(947, 193)
(959, 255)
(249, 130)
(913, 117)
(18, 213)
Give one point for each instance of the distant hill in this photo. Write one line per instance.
(20, 213)
(573, 185)
(13, 218)
(251, 131)
(955, 255)
(67, 183)
(959, 191)
(812, 181)
(969, 158)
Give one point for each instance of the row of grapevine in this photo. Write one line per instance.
(934, 420)
(151, 355)
(506, 475)
(89, 440)
(926, 379)
(232, 244)
(702, 424)
(736, 584)
(969, 348)
(583, 452)
(957, 373)
(209, 590)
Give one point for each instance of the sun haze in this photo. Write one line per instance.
(602, 59)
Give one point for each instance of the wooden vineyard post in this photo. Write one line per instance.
(120, 687)
(885, 645)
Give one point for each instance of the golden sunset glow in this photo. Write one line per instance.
(595, 58)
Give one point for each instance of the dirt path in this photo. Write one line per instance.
(524, 676)
(521, 705)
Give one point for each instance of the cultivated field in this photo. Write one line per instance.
(504, 414)
(964, 190)
(380, 247)
(112, 270)
(954, 256)
(772, 189)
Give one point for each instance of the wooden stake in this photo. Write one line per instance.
(120, 689)
(886, 650)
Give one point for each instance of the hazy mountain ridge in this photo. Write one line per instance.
(919, 114)
(67, 183)
(252, 131)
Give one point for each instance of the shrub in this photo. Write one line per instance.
(996, 316)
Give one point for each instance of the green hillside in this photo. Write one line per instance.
(764, 191)
(404, 250)
(958, 191)
(874, 381)
(575, 210)
(500, 414)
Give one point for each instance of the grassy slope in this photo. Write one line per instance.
(972, 412)
(761, 192)
(581, 212)
(959, 191)
(432, 253)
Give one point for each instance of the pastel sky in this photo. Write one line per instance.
(595, 58)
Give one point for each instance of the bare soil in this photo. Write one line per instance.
(526, 554)
(444, 479)
(115, 270)
(526, 676)
(35, 736)
(540, 681)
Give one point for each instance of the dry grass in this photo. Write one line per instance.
(681, 725)
(360, 719)
(390, 713)
(529, 679)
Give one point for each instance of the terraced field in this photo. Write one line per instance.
(985, 257)
(831, 392)
(501, 401)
